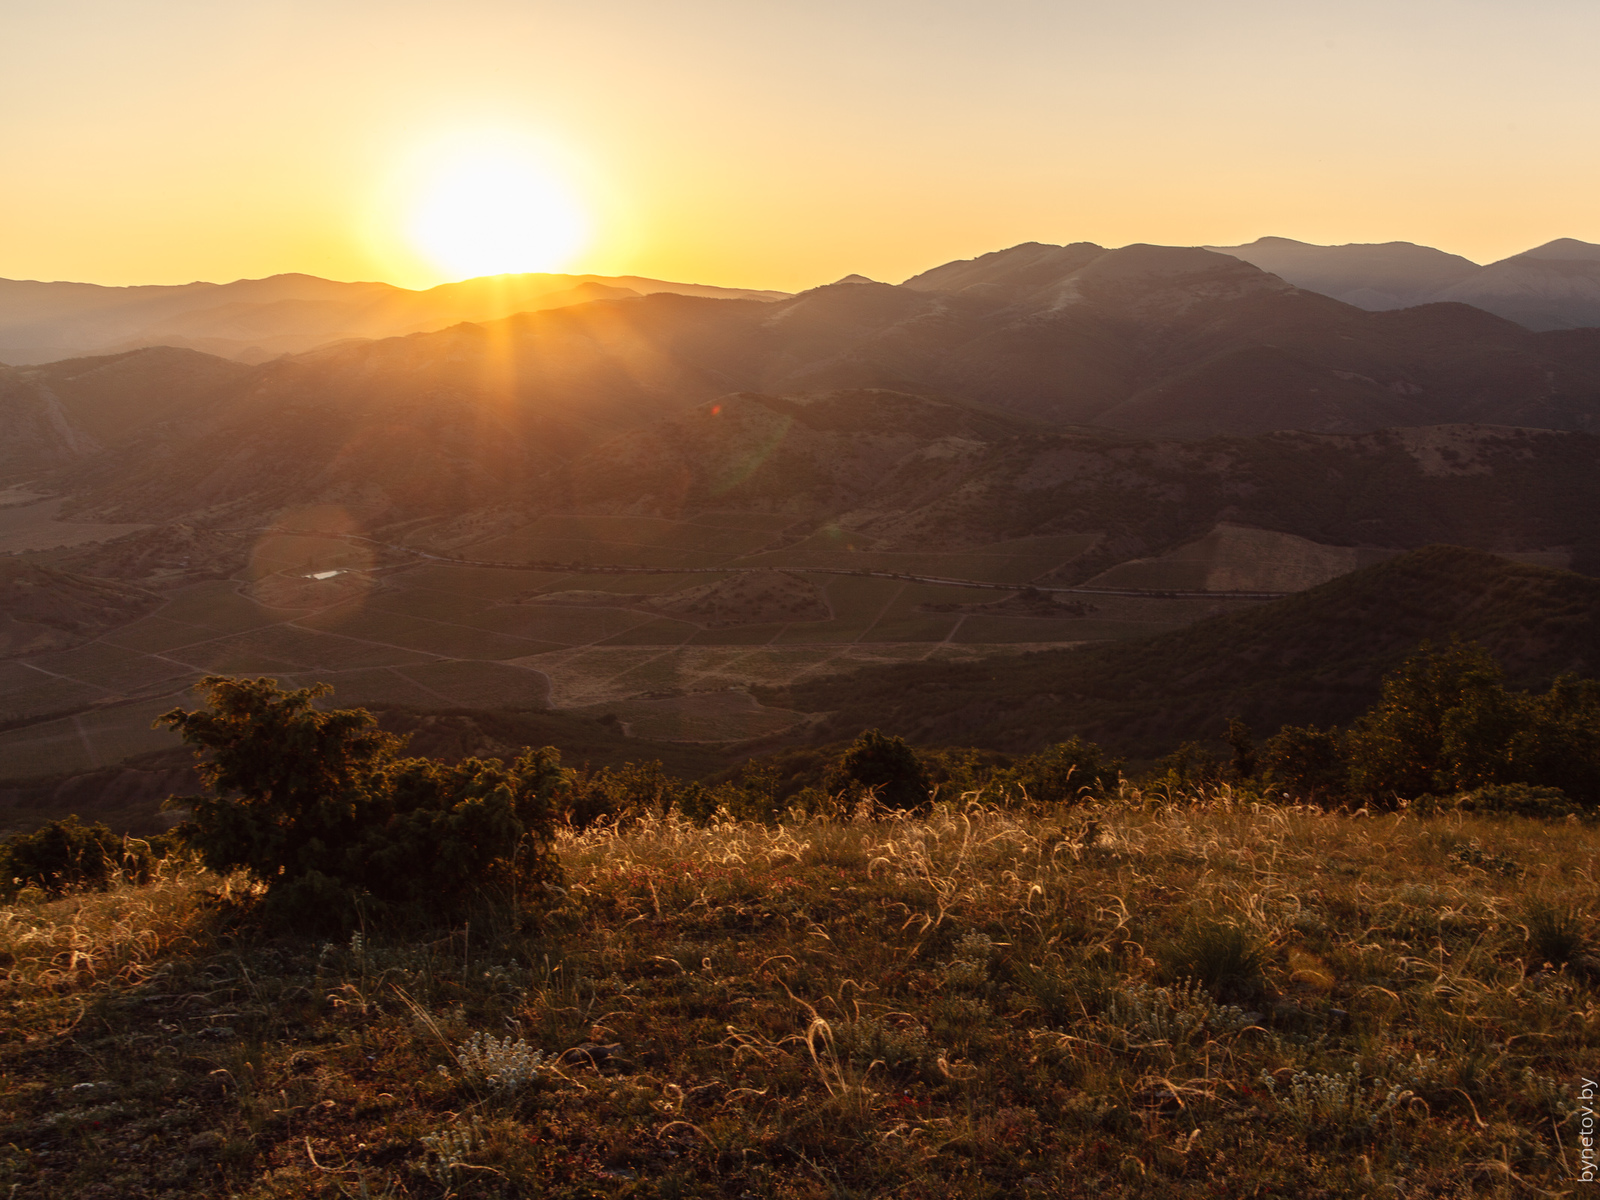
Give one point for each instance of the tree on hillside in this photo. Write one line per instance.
(1397, 747)
(1445, 722)
(320, 807)
(1304, 763)
(884, 766)
(1067, 771)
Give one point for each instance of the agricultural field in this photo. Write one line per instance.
(1016, 561)
(30, 523)
(437, 634)
(1236, 558)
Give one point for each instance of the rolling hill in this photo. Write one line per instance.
(895, 472)
(1553, 286)
(1315, 657)
(257, 319)
(1148, 341)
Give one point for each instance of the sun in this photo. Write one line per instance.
(493, 210)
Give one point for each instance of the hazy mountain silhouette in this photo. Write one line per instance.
(1145, 340)
(1554, 286)
(257, 319)
(1373, 276)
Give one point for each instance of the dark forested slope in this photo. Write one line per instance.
(1316, 657)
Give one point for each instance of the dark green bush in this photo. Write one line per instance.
(1447, 723)
(68, 855)
(1519, 799)
(884, 767)
(1190, 767)
(1066, 773)
(1243, 756)
(1304, 763)
(619, 793)
(321, 809)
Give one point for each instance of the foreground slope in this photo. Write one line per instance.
(1105, 1002)
(1315, 657)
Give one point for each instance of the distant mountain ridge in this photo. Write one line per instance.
(1143, 341)
(1553, 286)
(256, 319)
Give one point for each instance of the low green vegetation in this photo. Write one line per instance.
(1445, 725)
(71, 856)
(320, 810)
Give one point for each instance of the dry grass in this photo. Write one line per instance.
(1195, 1000)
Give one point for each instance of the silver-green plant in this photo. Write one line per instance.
(1173, 1015)
(452, 1146)
(970, 966)
(499, 1064)
(1336, 1103)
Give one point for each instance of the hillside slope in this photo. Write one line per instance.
(900, 472)
(1553, 286)
(1315, 657)
(1148, 341)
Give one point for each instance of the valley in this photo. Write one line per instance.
(433, 634)
(707, 518)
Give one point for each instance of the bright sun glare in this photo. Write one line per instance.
(495, 211)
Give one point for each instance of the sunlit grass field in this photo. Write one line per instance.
(1141, 998)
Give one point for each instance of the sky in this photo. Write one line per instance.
(755, 143)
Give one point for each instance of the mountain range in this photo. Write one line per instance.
(253, 320)
(1152, 423)
(1143, 341)
(1553, 286)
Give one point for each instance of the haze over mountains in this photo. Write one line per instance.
(855, 474)
(256, 319)
(1553, 286)
(1147, 340)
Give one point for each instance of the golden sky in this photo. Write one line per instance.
(765, 144)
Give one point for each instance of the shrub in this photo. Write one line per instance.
(1519, 799)
(1304, 762)
(1243, 757)
(1397, 747)
(1188, 768)
(620, 793)
(1446, 722)
(1066, 772)
(884, 766)
(320, 808)
(66, 855)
